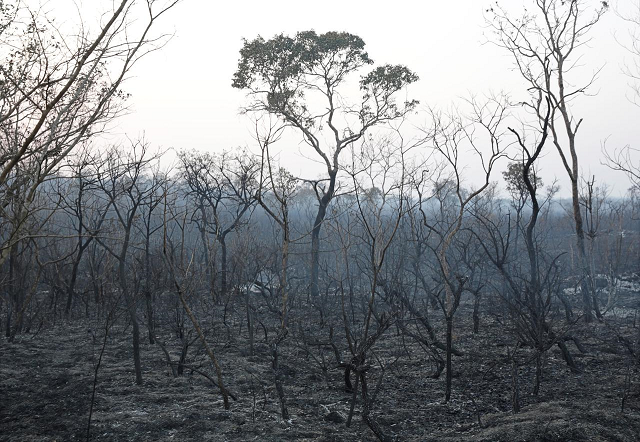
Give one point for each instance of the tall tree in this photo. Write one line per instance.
(545, 45)
(289, 76)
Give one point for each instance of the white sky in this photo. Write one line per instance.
(182, 96)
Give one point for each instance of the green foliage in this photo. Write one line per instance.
(388, 78)
(274, 62)
(513, 177)
(380, 84)
(281, 70)
(276, 65)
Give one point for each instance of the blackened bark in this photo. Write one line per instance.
(315, 248)
(476, 314)
(223, 268)
(323, 204)
(515, 386)
(449, 374)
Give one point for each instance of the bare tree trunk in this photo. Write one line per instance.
(205, 247)
(250, 327)
(323, 204)
(449, 374)
(476, 313)
(147, 292)
(131, 307)
(72, 282)
(315, 248)
(150, 321)
(277, 375)
(223, 268)
(568, 312)
(538, 379)
(25, 304)
(13, 292)
(7, 330)
(585, 284)
(515, 386)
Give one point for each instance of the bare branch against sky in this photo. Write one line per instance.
(182, 96)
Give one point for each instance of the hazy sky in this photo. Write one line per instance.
(182, 96)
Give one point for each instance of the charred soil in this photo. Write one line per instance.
(46, 382)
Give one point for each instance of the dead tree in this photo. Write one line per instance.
(222, 188)
(532, 289)
(86, 213)
(544, 45)
(120, 177)
(448, 136)
(275, 192)
(57, 91)
(380, 177)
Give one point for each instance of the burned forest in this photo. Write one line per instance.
(428, 272)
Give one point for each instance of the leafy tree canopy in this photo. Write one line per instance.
(281, 70)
